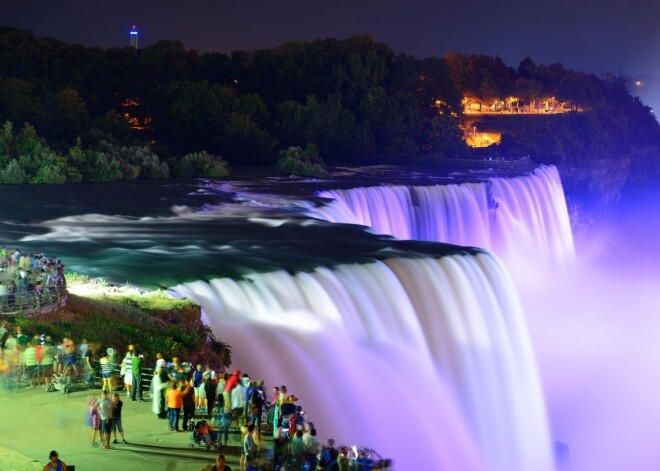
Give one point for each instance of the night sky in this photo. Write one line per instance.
(599, 36)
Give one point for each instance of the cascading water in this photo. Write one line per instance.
(425, 359)
(530, 220)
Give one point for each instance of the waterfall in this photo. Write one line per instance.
(425, 359)
(531, 219)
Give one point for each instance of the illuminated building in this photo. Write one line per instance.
(133, 35)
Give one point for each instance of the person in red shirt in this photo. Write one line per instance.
(231, 383)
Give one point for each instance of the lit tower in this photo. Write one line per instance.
(134, 37)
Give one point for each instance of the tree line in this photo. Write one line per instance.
(354, 100)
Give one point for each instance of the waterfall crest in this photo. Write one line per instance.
(436, 349)
(531, 218)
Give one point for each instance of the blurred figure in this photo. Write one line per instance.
(54, 463)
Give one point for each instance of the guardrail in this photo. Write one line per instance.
(33, 303)
(118, 380)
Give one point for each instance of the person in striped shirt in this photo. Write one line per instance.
(106, 372)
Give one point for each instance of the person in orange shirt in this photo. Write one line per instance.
(174, 404)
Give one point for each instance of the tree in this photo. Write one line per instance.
(12, 174)
(201, 164)
(299, 161)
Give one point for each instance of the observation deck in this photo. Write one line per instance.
(29, 289)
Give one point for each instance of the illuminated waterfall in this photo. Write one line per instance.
(427, 359)
(531, 219)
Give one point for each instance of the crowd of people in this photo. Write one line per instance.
(206, 403)
(28, 279)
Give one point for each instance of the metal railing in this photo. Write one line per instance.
(33, 303)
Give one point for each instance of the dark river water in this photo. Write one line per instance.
(161, 233)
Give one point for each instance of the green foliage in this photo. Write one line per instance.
(6, 142)
(12, 174)
(116, 316)
(354, 99)
(29, 159)
(49, 174)
(201, 164)
(102, 168)
(307, 162)
(446, 137)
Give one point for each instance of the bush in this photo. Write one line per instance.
(13, 174)
(297, 161)
(201, 164)
(50, 175)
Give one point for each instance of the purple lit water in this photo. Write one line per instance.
(400, 355)
(531, 220)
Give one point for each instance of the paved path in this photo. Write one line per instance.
(33, 422)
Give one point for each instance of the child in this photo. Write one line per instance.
(205, 433)
(116, 419)
(95, 421)
(224, 422)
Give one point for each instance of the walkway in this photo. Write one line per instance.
(35, 422)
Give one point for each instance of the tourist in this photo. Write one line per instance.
(296, 456)
(250, 451)
(95, 422)
(329, 455)
(136, 376)
(174, 404)
(38, 292)
(272, 412)
(116, 419)
(112, 362)
(256, 397)
(88, 365)
(46, 360)
(198, 385)
(204, 433)
(188, 401)
(11, 294)
(54, 463)
(4, 372)
(231, 383)
(297, 421)
(126, 373)
(160, 361)
(222, 381)
(224, 422)
(246, 382)
(30, 363)
(342, 460)
(210, 386)
(106, 372)
(11, 343)
(83, 349)
(312, 448)
(4, 334)
(159, 384)
(238, 403)
(21, 339)
(174, 368)
(219, 465)
(106, 408)
(69, 358)
(4, 292)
